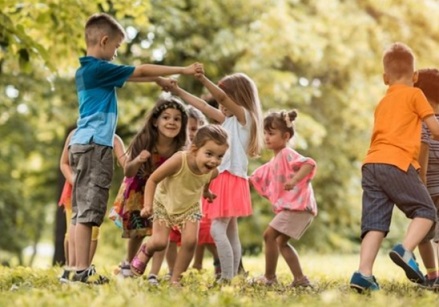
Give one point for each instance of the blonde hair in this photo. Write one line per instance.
(242, 90)
(214, 133)
(99, 25)
(399, 61)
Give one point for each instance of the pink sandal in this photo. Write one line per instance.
(138, 266)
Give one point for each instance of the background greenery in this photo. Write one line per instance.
(319, 56)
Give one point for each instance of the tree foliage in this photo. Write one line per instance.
(321, 57)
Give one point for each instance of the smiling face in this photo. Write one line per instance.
(208, 157)
(169, 123)
(275, 139)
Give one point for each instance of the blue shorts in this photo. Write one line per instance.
(92, 167)
(384, 186)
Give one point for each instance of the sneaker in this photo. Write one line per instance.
(263, 281)
(153, 280)
(89, 276)
(363, 283)
(302, 282)
(428, 283)
(65, 277)
(125, 269)
(407, 261)
(217, 269)
(167, 276)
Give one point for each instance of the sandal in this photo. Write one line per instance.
(138, 266)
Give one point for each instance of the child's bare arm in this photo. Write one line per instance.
(132, 166)
(423, 161)
(119, 151)
(301, 173)
(433, 125)
(222, 98)
(151, 70)
(64, 165)
(168, 168)
(198, 103)
(207, 193)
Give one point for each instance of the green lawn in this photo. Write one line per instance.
(330, 274)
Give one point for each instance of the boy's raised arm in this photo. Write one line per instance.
(151, 70)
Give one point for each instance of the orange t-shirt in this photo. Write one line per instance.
(396, 137)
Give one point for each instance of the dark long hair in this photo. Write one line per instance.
(147, 137)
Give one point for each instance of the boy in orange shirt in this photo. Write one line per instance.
(389, 172)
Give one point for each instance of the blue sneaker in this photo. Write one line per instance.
(363, 283)
(407, 261)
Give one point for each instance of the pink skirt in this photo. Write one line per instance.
(232, 197)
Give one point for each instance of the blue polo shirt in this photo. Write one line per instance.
(96, 82)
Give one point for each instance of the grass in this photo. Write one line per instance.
(22, 286)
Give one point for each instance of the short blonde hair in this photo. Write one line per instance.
(399, 61)
(99, 25)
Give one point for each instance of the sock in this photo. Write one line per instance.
(367, 277)
(432, 273)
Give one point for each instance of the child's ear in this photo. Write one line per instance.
(287, 136)
(386, 79)
(415, 76)
(104, 40)
(193, 148)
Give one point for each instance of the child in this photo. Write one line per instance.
(389, 172)
(90, 148)
(428, 82)
(240, 116)
(286, 182)
(66, 201)
(172, 197)
(163, 134)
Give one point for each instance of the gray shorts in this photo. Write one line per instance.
(92, 167)
(385, 186)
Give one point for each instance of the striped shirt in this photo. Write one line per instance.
(433, 161)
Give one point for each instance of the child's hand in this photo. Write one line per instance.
(209, 196)
(143, 156)
(193, 69)
(146, 211)
(289, 185)
(174, 88)
(166, 83)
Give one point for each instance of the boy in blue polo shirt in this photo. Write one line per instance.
(90, 150)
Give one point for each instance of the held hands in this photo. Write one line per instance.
(166, 83)
(143, 156)
(196, 68)
(146, 211)
(207, 194)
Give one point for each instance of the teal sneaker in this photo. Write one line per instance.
(407, 261)
(363, 283)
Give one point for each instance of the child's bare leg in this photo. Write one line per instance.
(198, 257)
(82, 245)
(171, 256)
(156, 243)
(428, 255)
(271, 252)
(417, 230)
(133, 246)
(189, 237)
(93, 247)
(290, 255)
(157, 260)
(71, 246)
(370, 246)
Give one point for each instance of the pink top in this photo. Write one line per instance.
(269, 180)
